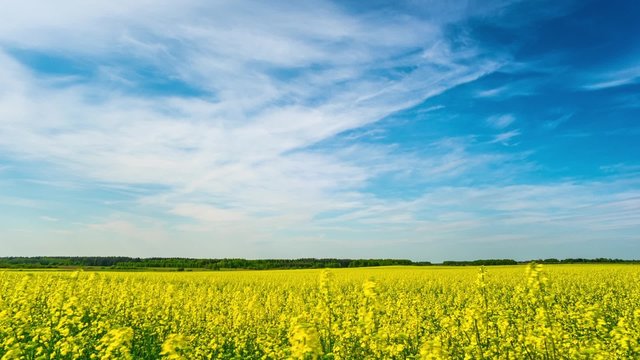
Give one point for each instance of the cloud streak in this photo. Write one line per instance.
(246, 144)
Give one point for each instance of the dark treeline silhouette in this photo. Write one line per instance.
(481, 262)
(591, 261)
(121, 262)
(488, 262)
(118, 262)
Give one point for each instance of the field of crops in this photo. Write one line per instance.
(518, 312)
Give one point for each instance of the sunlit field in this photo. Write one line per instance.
(515, 312)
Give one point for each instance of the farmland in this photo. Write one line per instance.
(402, 312)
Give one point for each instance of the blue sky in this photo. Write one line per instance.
(426, 130)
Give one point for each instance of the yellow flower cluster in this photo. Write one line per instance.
(511, 312)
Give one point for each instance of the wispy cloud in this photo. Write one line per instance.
(553, 124)
(610, 79)
(520, 214)
(621, 168)
(287, 79)
(13, 201)
(505, 138)
(492, 92)
(501, 121)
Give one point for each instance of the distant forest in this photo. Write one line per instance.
(123, 263)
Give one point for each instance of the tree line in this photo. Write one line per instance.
(118, 262)
(121, 262)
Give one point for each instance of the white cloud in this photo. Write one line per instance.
(462, 220)
(506, 137)
(610, 79)
(492, 92)
(13, 201)
(247, 145)
(621, 168)
(207, 214)
(501, 121)
(553, 124)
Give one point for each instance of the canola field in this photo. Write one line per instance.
(515, 312)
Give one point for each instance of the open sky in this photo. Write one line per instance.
(427, 130)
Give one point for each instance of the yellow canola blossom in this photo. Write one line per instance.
(511, 312)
